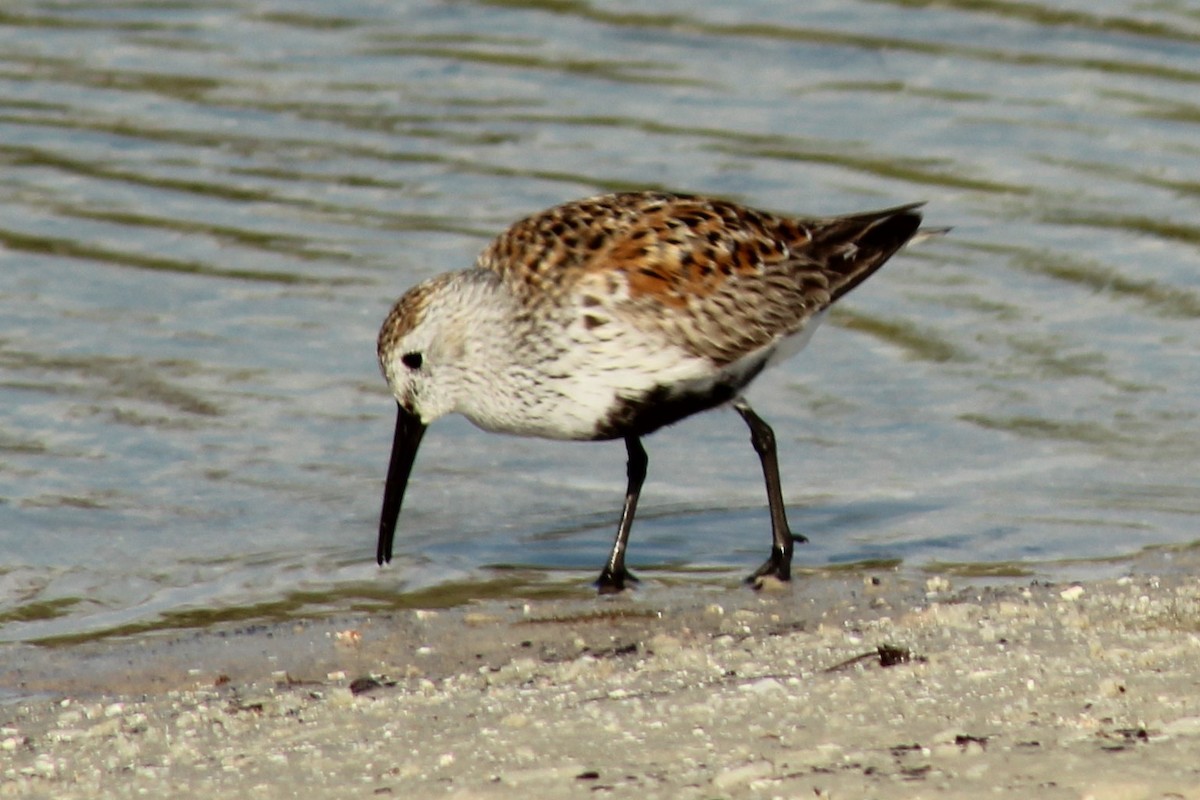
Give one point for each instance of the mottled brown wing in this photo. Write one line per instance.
(714, 277)
(544, 255)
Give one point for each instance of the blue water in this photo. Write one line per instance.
(206, 210)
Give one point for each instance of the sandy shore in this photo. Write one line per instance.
(876, 685)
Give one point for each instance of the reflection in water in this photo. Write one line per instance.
(205, 211)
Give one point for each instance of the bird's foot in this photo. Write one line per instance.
(778, 565)
(613, 581)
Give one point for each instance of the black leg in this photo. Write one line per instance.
(779, 563)
(613, 576)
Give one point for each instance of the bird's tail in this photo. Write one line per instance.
(850, 248)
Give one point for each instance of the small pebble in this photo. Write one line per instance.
(744, 774)
(1071, 594)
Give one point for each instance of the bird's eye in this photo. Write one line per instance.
(411, 360)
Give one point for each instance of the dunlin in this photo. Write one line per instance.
(610, 317)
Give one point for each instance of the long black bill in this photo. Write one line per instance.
(409, 430)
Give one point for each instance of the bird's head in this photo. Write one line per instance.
(424, 354)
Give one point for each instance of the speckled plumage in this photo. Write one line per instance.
(612, 316)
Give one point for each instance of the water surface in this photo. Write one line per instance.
(207, 208)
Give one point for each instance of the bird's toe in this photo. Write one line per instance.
(614, 581)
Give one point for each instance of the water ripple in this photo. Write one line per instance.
(206, 209)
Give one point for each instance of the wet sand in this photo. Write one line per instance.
(872, 685)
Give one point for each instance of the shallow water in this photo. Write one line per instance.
(206, 210)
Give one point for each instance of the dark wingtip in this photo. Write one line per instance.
(876, 236)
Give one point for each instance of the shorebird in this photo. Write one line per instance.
(610, 317)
